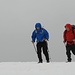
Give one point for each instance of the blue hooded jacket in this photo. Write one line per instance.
(40, 34)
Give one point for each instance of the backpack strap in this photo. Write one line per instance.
(73, 31)
(73, 28)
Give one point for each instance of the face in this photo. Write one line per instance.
(37, 28)
(67, 28)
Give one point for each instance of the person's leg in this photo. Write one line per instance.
(45, 51)
(73, 49)
(39, 52)
(68, 53)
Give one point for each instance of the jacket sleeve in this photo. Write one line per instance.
(64, 36)
(74, 34)
(46, 34)
(33, 36)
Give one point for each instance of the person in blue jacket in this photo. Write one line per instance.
(42, 36)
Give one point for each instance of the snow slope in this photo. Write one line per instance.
(32, 68)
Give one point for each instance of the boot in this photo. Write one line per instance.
(48, 61)
(40, 62)
(69, 59)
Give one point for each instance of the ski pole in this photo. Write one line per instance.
(34, 47)
(49, 53)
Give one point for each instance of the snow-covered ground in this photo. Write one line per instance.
(32, 68)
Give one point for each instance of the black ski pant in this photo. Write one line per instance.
(70, 48)
(42, 46)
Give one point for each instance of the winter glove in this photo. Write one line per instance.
(74, 41)
(32, 42)
(46, 40)
(64, 41)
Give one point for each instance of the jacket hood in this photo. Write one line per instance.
(69, 26)
(38, 25)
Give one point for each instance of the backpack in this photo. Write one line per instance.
(73, 27)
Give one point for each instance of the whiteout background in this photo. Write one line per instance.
(17, 21)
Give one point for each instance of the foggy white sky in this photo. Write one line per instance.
(17, 21)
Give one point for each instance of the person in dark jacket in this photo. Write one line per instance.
(42, 37)
(69, 39)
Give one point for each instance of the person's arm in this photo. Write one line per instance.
(46, 35)
(64, 36)
(33, 36)
(74, 36)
